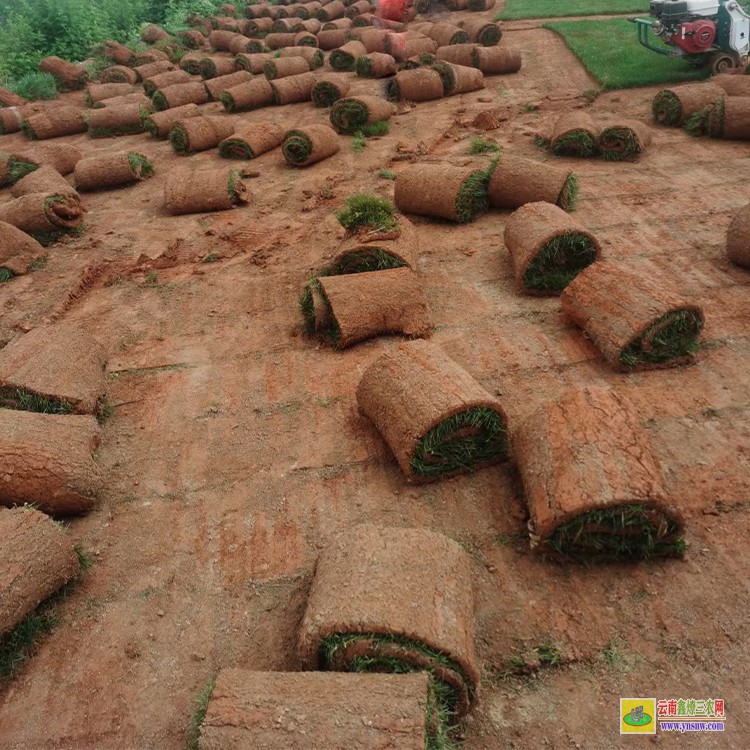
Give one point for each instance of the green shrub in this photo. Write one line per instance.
(35, 86)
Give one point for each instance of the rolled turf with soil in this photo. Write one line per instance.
(116, 52)
(285, 66)
(674, 106)
(199, 133)
(118, 101)
(119, 74)
(633, 316)
(443, 190)
(593, 486)
(18, 251)
(310, 144)
(344, 57)
(280, 39)
(395, 600)
(374, 39)
(436, 419)
(517, 180)
(358, 306)
(112, 170)
(623, 140)
(329, 89)
(56, 369)
(37, 558)
(419, 85)
(358, 8)
(459, 54)
(63, 121)
(254, 63)
(459, 79)
(191, 191)
(215, 66)
(221, 39)
(738, 238)
(331, 39)
(497, 60)
(293, 89)
(215, 87)
(169, 78)
(403, 49)
(97, 92)
(153, 33)
(69, 76)
(312, 26)
(305, 39)
(45, 179)
(191, 63)
(352, 113)
(243, 45)
(331, 11)
(330, 710)
(374, 250)
(180, 94)
(10, 120)
(447, 33)
(549, 248)
(191, 39)
(729, 118)
(45, 216)
(733, 85)
(313, 56)
(252, 95)
(149, 57)
(252, 140)
(160, 123)
(149, 70)
(575, 134)
(62, 157)
(375, 65)
(481, 31)
(9, 99)
(286, 25)
(48, 460)
(110, 121)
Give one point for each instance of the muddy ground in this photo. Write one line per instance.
(236, 451)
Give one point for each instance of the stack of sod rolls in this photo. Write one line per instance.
(436, 419)
(593, 486)
(191, 191)
(549, 248)
(633, 316)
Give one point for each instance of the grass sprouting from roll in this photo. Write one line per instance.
(364, 260)
(351, 115)
(179, 139)
(698, 123)
(363, 66)
(472, 198)
(625, 532)
(667, 108)
(325, 93)
(140, 165)
(21, 400)
(569, 194)
(715, 119)
(462, 441)
(618, 143)
(489, 36)
(575, 143)
(297, 147)
(312, 290)
(363, 210)
(671, 337)
(19, 169)
(235, 148)
(447, 76)
(160, 102)
(559, 261)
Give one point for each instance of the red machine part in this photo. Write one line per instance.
(695, 37)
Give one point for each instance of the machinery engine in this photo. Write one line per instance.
(690, 25)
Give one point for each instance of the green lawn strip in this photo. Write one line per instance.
(611, 53)
(517, 9)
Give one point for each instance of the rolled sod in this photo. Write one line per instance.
(310, 144)
(447, 33)
(119, 74)
(344, 24)
(593, 485)
(312, 26)
(63, 121)
(674, 106)
(443, 190)
(10, 120)
(305, 39)
(110, 121)
(252, 140)
(152, 55)
(221, 40)
(459, 79)
(162, 80)
(633, 316)
(331, 711)
(344, 57)
(436, 419)
(358, 8)
(366, 20)
(191, 63)
(403, 49)
(62, 157)
(575, 134)
(215, 87)
(374, 39)
(329, 89)
(313, 56)
(481, 31)
(213, 67)
(459, 54)
(479, 5)
(199, 133)
(112, 170)
(285, 66)
(149, 70)
(9, 99)
(729, 118)
(116, 52)
(549, 248)
(141, 100)
(191, 39)
(45, 179)
(331, 39)
(286, 25)
(377, 250)
(252, 95)
(331, 11)
(69, 76)
(160, 123)
(517, 180)
(153, 33)
(395, 600)
(375, 65)
(279, 40)
(97, 92)
(738, 238)
(418, 85)
(48, 459)
(254, 63)
(293, 89)
(45, 216)
(38, 558)
(352, 113)
(256, 26)
(180, 94)
(193, 192)
(242, 45)
(733, 85)
(497, 60)
(359, 306)
(18, 250)
(623, 140)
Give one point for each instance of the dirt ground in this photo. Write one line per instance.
(235, 451)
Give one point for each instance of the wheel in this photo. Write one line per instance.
(724, 62)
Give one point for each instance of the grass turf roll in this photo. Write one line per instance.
(180, 94)
(110, 121)
(243, 45)
(729, 118)
(419, 85)
(162, 80)
(549, 248)
(358, 8)
(331, 39)
(374, 40)
(253, 63)
(149, 57)
(252, 95)
(497, 60)
(329, 89)
(403, 49)
(395, 600)
(62, 157)
(436, 419)
(191, 39)
(151, 69)
(733, 85)
(738, 238)
(152, 33)
(517, 180)
(199, 133)
(593, 486)
(674, 106)
(332, 711)
(305, 39)
(285, 66)
(278, 40)
(191, 63)
(447, 33)
(46, 179)
(458, 54)
(38, 558)
(372, 249)
(252, 140)
(190, 191)
(255, 27)
(623, 140)
(117, 101)
(443, 190)
(215, 87)
(10, 120)
(354, 307)
(352, 113)
(116, 52)
(112, 170)
(160, 123)
(310, 144)
(575, 134)
(459, 79)
(313, 56)
(343, 24)
(69, 76)
(221, 39)
(97, 92)
(633, 316)
(375, 65)
(9, 99)
(293, 89)
(119, 74)
(215, 66)
(54, 124)
(331, 11)
(483, 32)
(45, 216)
(344, 57)
(286, 25)
(18, 250)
